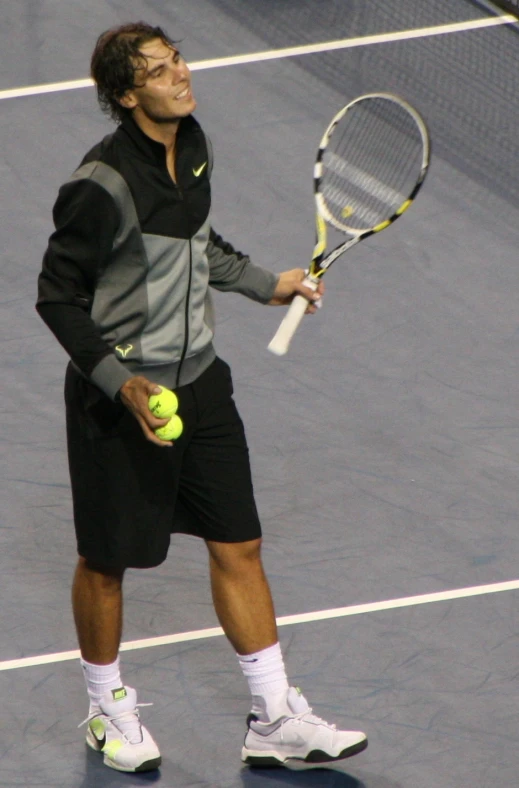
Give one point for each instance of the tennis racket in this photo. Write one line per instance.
(371, 163)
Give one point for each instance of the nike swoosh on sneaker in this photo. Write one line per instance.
(101, 742)
(289, 736)
(294, 739)
(199, 171)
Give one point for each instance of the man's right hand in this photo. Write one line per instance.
(135, 394)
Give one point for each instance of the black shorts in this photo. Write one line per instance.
(130, 495)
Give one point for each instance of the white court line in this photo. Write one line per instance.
(283, 621)
(276, 54)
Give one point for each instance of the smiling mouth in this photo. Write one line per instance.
(183, 95)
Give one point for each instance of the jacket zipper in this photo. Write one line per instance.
(188, 294)
(186, 315)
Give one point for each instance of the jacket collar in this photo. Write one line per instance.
(151, 149)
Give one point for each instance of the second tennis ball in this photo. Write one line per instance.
(163, 405)
(172, 430)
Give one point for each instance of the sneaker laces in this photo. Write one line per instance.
(129, 720)
(307, 716)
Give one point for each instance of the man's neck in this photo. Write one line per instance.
(166, 133)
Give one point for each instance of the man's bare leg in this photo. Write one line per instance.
(280, 725)
(244, 607)
(114, 726)
(241, 595)
(98, 611)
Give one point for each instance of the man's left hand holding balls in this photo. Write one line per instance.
(148, 401)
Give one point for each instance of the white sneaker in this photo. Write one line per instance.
(298, 734)
(118, 733)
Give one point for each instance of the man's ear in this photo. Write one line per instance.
(128, 101)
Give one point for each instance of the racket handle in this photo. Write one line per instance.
(281, 340)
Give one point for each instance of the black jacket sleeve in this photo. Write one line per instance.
(86, 222)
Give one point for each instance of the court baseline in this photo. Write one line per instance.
(301, 618)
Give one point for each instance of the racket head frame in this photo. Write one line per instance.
(323, 216)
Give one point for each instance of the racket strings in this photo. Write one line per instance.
(371, 163)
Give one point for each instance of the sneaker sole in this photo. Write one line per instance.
(314, 756)
(147, 766)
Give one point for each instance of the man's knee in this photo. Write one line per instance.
(105, 579)
(232, 556)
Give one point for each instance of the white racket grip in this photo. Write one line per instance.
(280, 342)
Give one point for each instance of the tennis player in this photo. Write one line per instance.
(125, 289)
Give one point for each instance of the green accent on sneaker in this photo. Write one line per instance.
(97, 727)
(299, 691)
(112, 748)
(119, 694)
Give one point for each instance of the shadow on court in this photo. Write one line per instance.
(303, 777)
(97, 774)
(312, 777)
(297, 776)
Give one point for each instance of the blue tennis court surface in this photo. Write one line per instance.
(385, 445)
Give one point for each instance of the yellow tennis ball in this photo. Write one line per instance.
(163, 405)
(172, 430)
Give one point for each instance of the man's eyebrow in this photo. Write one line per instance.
(155, 69)
(151, 71)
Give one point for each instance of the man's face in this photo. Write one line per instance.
(163, 91)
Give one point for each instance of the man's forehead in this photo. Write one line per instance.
(156, 49)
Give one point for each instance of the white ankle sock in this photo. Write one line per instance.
(267, 678)
(100, 678)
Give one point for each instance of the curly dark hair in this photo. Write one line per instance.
(116, 59)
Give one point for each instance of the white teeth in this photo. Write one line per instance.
(183, 94)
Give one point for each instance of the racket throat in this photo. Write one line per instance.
(319, 248)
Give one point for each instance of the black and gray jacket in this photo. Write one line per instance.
(125, 279)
